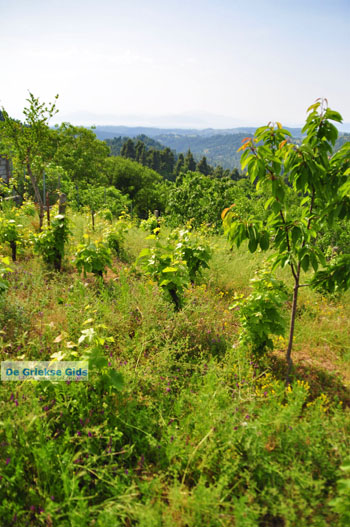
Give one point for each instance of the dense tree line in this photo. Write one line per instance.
(166, 162)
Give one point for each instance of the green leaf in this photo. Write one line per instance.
(116, 379)
(305, 262)
(264, 241)
(252, 245)
(144, 252)
(98, 361)
(314, 261)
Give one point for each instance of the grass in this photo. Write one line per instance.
(201, 434)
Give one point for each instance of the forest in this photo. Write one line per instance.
(210, 305)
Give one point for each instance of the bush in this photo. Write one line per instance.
(260, 313)
(50, 243)
(93, 258)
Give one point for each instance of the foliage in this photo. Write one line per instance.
(164, 264)
(30, 145)
(335, 277)
(341, 504)
(4, 268)
(143, 186)
(278, 167)
(152, 224)
(176, 263)
(93, 258)
(81, 155)
(261, 314)
(335, 238)
(50, 243)
(194, 251)
(201, 199)
(102, 198)
(11, 232)
(28, 209)
(115, 236)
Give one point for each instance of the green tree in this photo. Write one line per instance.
(81, 155)
(189, 162)
(317, 178)
(200, 198)
(179, 167)
(167, 162)
(203, 167)
(145, 187)
(140, 153)
(99, 198)
(128, 149)
(30, 145)
(153, 159)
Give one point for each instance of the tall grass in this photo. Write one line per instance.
(201, 433)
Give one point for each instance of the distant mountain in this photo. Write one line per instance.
(219, 146)
(109, 132)
(219, 149)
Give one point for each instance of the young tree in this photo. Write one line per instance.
(314, 174)
(31, 144)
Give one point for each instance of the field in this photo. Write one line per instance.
(197, 431)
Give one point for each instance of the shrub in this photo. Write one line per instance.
(93, 258)
(50, 243)
(260, 313)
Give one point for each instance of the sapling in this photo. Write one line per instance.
(318, 179)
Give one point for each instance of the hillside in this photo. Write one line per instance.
(218, 145)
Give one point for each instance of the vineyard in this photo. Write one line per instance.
(218, 352)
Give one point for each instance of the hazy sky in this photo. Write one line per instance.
(225, 61)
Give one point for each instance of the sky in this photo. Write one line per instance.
(189, 63)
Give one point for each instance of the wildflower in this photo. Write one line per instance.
(8, 460)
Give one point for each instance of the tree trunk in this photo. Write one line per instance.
(175, 299)
(37, 196)
(13, 246)
(57, 262)
(292, 325)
